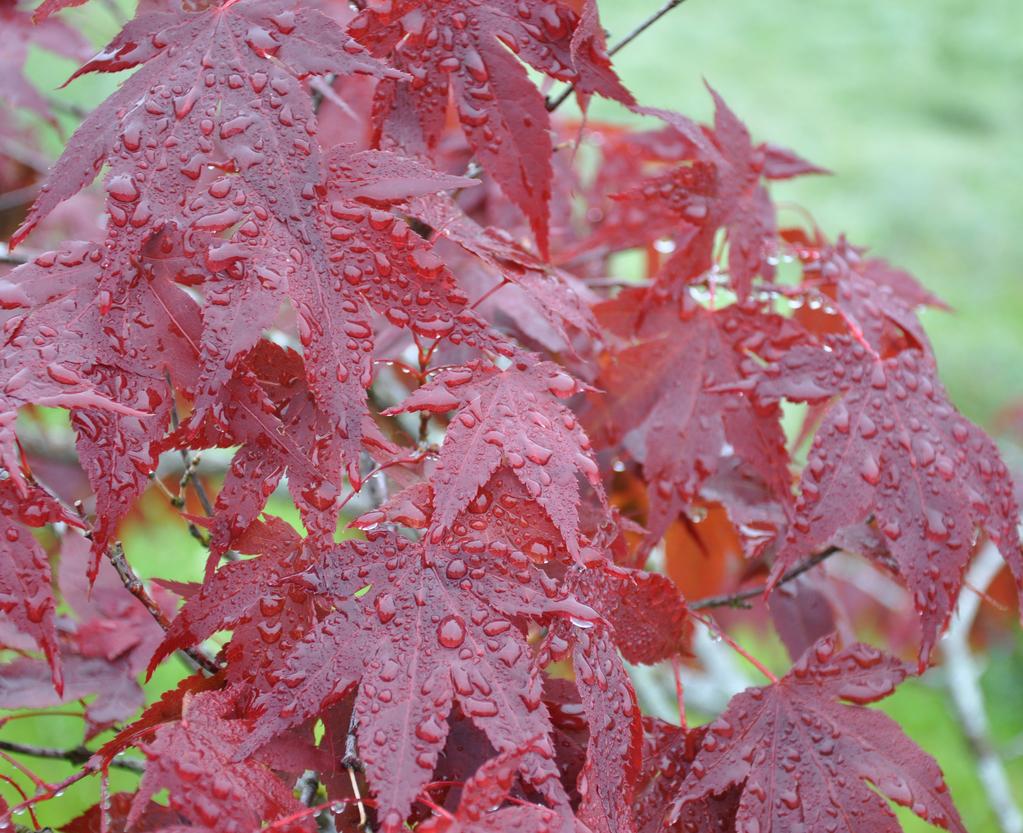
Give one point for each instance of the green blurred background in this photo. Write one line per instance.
(917, 106)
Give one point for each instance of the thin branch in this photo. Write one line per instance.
(177, 501)
(307, 786)
(351, 759)
(353, 763)
(189, 476)
(646, 24)
(319, 91)
(618, 47)
(76, 755)
(133, 584)
(739, 599)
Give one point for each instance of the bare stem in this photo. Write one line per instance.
(317, 95)
(739, 599)
(133, 584)
(76, 755)
(353, 763)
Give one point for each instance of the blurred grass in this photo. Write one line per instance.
(918, 109)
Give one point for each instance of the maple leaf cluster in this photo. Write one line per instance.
(355, 252)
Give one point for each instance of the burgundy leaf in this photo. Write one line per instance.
(474, 50)
(893, 447)
(508, 419)
(802, 757)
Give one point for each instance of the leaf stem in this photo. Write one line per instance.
(735, 646)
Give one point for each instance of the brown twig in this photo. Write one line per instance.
(554, 104)
(740, 598)
(353, 763)
(76, 755)
(133, 584)
(189, 476)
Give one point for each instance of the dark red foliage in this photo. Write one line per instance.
(473, 50)
(893, 448)
(801, 756)
(352, 258)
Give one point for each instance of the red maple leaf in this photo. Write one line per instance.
(474, 49)
(893, 448)
(668, 753)
(71, 354)
(662, 401)
(192, 759)
(873, 297)
(112, 816)
(646, 611)
(804, 758)
(209, 83)
(102, 648)
(607, 700)
(193, 141)
(22, 30)
(509, 419)
(479, 807)
(522, 289)
(719, 187)
(269, 411)
(26, 593)
(409, 619)
(251, 597)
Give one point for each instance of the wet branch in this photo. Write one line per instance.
(78, 755)
(133, 584)
(741, 598)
